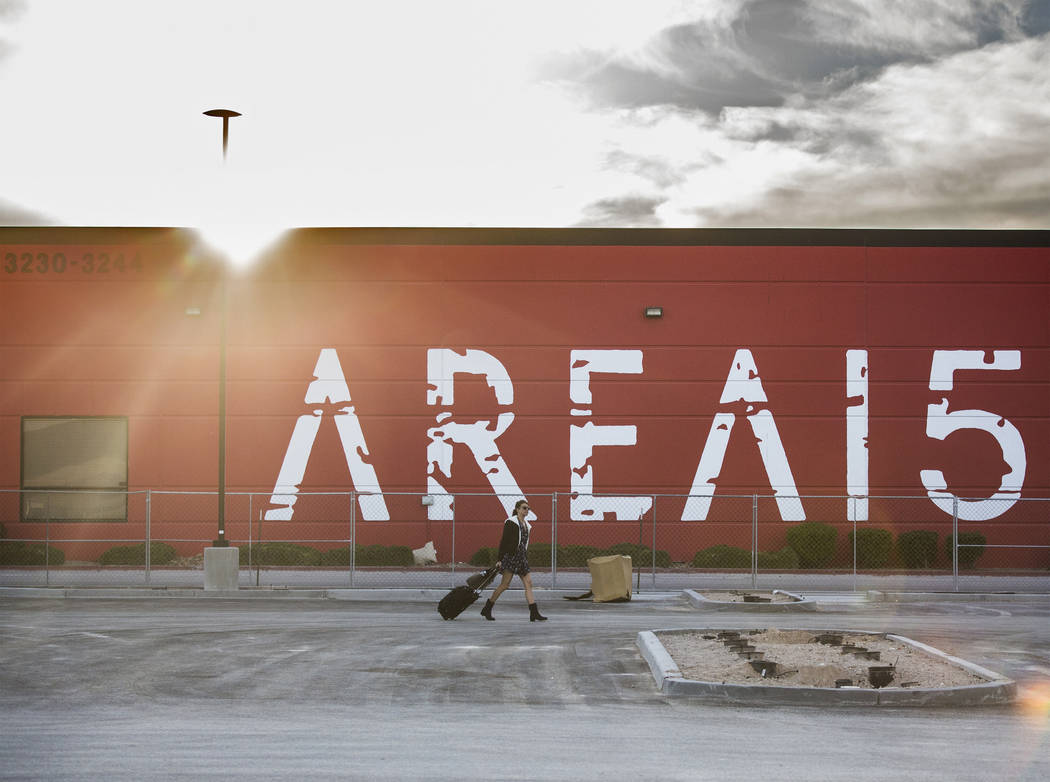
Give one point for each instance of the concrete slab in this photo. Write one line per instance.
(265, 688)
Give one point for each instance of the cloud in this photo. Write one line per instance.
(762, 52)
(9, 10)
(637, 211)
(10, 214)
(954, 137)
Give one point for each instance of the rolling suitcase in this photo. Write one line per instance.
(462, 597)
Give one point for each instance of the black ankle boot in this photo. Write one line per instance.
(487, 611)
(535, 615)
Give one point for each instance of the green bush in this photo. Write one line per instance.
(874, 547)
(336, 557)
(917, 548)
(484, 557)
(576, 556)
(814, 543)
(539, 554)
(971, 546)
(281, 554)
(159, 554)
(785, 559)
(722, 556)
(17, 552)
(378, 555)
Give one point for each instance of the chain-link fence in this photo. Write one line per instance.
(411, 540)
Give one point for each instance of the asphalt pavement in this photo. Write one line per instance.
(284, 687)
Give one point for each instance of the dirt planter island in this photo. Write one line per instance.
(815, 667)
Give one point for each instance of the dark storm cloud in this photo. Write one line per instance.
(1035, 19)
(770, 50)
(637, 211)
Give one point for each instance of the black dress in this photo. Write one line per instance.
(517, 561)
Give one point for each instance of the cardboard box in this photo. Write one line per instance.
(610, 578)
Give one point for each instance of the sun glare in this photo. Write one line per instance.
(240, 244)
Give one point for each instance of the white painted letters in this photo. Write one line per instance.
(940, 423)
(478, 436)
(328, 387)
(857, 435)
(583, 505)
(743, 384)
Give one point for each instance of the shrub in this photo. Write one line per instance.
(539, 554)
(814, 543)
(17, 552)
(575, 555)
(484, 557)
(336, 557)
(280, 553)
(917, 548)
(379, 556)
(722, 556)
(874, 547)
(971, 546)
(159, 554)
(641, 555)
(785, 559)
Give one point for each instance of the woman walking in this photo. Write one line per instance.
(513, 561)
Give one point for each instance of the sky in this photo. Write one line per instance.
(713, 113)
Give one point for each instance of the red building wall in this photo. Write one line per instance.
(81, 340)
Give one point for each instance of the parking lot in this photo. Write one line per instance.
(279, 687)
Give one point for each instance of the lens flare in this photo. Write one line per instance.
(241, 243)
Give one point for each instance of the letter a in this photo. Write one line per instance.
(744, 385)
(328, 386)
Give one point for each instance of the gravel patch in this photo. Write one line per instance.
(804, 662)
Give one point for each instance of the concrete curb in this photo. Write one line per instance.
(148, 593)
(543, 596)
(670, 681)
(877, 596)
(800, 603)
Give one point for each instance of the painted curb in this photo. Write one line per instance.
(670, 681)
(799, 604)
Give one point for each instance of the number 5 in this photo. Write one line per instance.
(940, 423)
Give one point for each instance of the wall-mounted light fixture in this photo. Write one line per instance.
(427, 499)
(654, 312)
(193, 311)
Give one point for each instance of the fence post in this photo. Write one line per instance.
(47, 541)
(353, 536)
(652, 504)
(853, 517)
(452, 572)
(754, 541)
(251, 515)
(554, 540)
(149, 498)
(955, 544)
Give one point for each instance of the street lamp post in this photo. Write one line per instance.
(221, 540)
(225, 114)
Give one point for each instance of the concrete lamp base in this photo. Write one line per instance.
(220, 568)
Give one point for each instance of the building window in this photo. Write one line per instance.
(74, 469)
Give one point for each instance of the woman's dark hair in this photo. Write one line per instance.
(519, 503)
